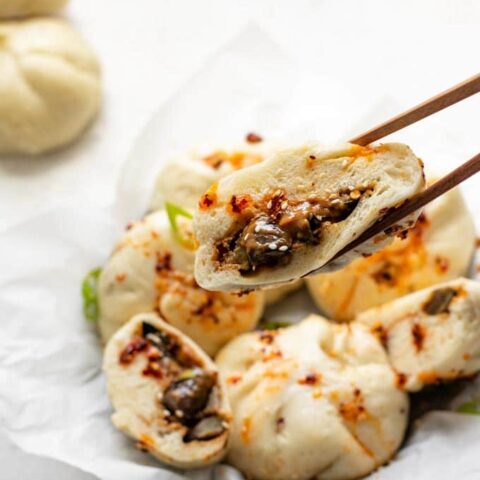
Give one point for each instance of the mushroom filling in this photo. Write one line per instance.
(268, 232)
(191, 396)
(439, 301)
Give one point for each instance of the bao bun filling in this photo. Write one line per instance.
(266, 233)
(191, 397)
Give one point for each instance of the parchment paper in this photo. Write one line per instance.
(52, 392)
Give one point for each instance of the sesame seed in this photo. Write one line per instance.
(269, 204)
(178, 413)
(272, 246)
(246, 236)
(283, 248)
(257, 229)
(284, 205)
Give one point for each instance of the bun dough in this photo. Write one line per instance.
(137, 395)
(370, 179)
(315, 400)
(25, 8)
(184, 179)
(49, 87)
(149, 270)
(439, 248)
(425, 347)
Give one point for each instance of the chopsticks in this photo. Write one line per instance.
(471, 167)
(443, 100)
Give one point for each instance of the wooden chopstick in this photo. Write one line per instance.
(439, 102)
(451, 180)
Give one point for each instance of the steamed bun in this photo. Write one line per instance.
(150, 270)
(437, 249)
(315, 400)
(166, 393)
(49, 85)
(288, 216)
(184, 179)
(432, 335)
(25, 8)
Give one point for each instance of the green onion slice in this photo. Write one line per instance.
(174, 211)
(89, 294)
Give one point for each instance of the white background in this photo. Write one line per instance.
(402, 50)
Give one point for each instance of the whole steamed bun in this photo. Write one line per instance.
(23, 8)
(49, 85)
(439, 248)
(315, 400)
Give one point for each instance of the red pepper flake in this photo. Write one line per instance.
(400, 379)
(441, 264)
(153, 369)
(310, 379)
(164, 262)
(238, 203)
(253, 138)
(131, 349)
(209, 198)
(267, 336)
(233, 379)
(129, 225)
(381, 333)
(418, 333)
(120, 277)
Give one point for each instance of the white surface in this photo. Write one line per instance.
(388, 54)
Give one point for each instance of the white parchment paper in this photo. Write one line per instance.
(52, 392)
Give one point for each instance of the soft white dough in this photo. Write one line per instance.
(315, 400)
(438, 249)
(49, 85)
(135, 400)
(394, 171)
(425, 349)
(132, 282)
(24, 8)
(184, 179)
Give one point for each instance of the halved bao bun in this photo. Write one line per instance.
(24, 8)
(50, 85)
(288, 216)
(432, 335)
(166, 393)
(315, 400)
(149, 270)
(437, 249)
(184, 179)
